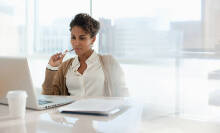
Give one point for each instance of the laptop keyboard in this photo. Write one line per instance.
(42, 101)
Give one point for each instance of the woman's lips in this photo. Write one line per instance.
(77, 48)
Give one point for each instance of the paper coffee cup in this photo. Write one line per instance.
(17, 103)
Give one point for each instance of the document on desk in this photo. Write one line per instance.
(94, 106)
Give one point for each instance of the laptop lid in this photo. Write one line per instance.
(15, 75)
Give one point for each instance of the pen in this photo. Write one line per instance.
(66, 51)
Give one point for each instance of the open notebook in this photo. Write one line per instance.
(95, 106)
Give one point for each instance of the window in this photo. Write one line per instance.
(13, 27)
(169, 49)
(52, 24)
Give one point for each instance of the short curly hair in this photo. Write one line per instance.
(87, 23)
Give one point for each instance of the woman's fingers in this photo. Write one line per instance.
(57, 59)
(59, 56)
(62, 56)
(56, 56)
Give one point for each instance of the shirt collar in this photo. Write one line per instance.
(75, 61)
(91, 59)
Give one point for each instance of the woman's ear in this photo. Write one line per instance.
(93, 39)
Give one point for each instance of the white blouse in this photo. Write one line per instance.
(91, 82)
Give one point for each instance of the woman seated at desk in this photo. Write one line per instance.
(88, 73)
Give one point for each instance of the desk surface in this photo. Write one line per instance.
(130, 120)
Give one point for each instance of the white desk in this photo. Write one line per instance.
(130, 120)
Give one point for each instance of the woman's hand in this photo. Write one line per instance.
(57, 59)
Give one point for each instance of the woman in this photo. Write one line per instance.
(87, 74)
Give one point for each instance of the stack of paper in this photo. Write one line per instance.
(96, 106)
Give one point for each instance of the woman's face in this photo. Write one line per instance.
(80, 40)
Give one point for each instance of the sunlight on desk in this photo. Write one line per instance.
(138, 118)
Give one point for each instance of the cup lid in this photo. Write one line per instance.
(16, 93)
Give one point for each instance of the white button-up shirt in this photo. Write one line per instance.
(91, 82)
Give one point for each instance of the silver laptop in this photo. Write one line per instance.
(15, 75)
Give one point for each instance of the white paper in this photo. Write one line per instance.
(94, 105)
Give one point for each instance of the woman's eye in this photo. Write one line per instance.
(73, 38)
(81, 38)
